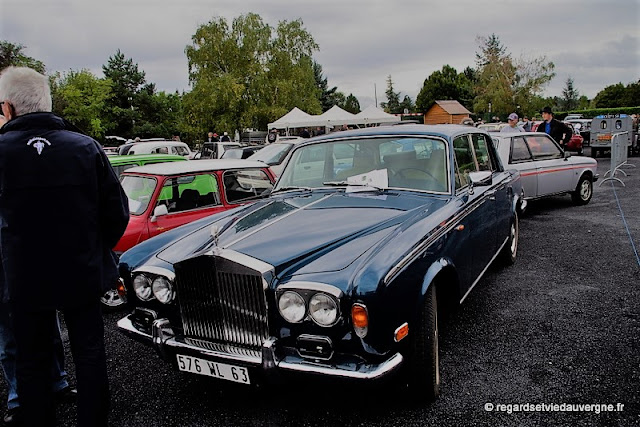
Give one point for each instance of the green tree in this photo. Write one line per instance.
(158, 114)
(610, 97)
(504, 83)
(327, 96)
(442, 85)
(392, 105)
(127, 81)
(351, 104)
(82, 98)
(570, 96)
(632, 95)
(12, 54)
(248, 74)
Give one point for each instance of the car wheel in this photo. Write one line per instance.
(583, 192)
(112, 300)
(510, 249)
(424, 366)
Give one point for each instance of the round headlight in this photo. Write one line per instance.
(163, 290)
(291, 306)
(142, 287)
(323, 309)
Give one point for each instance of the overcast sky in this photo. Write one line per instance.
(596, 42)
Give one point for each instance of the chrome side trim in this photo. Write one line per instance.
(485, 269)
(396, 269)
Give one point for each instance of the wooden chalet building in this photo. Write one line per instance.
(450, 112)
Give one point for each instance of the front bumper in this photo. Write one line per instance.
(167, 344)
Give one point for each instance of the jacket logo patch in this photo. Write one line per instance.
(38, 143)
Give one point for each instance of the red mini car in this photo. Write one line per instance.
(165, 196)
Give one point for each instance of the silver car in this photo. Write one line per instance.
(544, 168)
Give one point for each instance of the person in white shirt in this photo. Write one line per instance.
(513, 125)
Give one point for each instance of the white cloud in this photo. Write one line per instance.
(361, 42)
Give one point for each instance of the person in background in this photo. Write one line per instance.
(305, 133)
(225, 138)
(526, 124)
(272, 136)
(55, 259)
(512, 125)
(212, 137)
(559, 131)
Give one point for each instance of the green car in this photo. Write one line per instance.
(122, 163)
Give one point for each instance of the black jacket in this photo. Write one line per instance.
(62, 209)
(557, 130)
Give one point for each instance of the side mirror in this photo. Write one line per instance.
(567, 155)
(160, 210)
(481, 179)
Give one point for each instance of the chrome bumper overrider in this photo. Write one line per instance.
(167, 344)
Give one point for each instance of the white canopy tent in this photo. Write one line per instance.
(296, 118)
(372, 115)
(335, 116)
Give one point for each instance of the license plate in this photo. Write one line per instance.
(222, 371)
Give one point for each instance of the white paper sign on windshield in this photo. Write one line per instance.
(366, 181)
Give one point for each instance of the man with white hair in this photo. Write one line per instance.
(62, 209)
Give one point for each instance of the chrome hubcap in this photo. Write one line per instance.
(514, 240)
(111, 298)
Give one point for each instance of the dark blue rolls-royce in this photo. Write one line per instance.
(341, 270)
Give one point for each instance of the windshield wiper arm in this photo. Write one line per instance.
(291, 189)
(351, 184)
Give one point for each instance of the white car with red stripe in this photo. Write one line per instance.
(545, 169)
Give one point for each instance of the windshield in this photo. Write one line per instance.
(139, 190)
(272, 154)
(417, 163)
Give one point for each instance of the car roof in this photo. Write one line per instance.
(177, 168)
(445, 131)
(135, 158)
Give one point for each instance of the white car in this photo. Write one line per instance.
(275, 153)
(544, 168)
(162, 147)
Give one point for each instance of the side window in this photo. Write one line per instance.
(482, 152)
(190, 192)
(160, 150)
(464, 160)
(519, 151)
(246, 184)
(603, 124)
(542, 147)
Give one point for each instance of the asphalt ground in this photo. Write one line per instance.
(561, 326)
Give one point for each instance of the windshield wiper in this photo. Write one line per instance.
(351, 184)
(291, 189)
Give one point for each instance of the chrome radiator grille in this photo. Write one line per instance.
(222, 304)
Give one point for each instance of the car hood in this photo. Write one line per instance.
(307, 233)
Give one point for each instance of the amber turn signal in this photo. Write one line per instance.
(359, 316)
(401, 332)
(120, 288)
